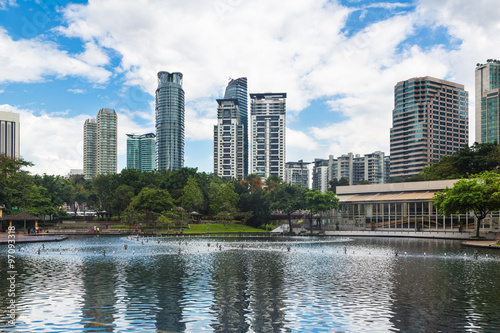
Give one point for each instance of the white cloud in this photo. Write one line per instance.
(4, 4)
(51, 142)
(77, 91)
(30, 60)
(299, 47)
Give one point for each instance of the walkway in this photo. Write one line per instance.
(21, 238)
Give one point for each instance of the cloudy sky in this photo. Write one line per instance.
(338, 61)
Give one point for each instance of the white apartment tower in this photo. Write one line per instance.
(229, 143)
(268, 128)
(9, 134)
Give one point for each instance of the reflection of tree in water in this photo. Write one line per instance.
(462, 292)
(99, 294)
(249, 292)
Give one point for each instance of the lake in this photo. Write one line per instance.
(251, 284)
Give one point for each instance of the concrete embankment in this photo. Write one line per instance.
(21, 238)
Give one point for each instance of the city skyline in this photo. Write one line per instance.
(66, 60)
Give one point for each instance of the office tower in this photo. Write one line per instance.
(297, 173)
(268, 129)
(9, 134)
(141, 152)
(237, 89)
(229, 156)
(320, 175)
(169, 121)
(487, 114)
(100, 144)
(430, 120)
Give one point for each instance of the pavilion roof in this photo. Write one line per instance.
(20, 217)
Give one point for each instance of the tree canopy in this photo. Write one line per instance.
(479, 194)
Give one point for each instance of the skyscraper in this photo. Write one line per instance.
(9, 134)
(229, 157)
(169, 121)
(100, 144)
(237, 89)
(268, 134)
(487, 114)
(90, 148)
(430, 120)
(141, 152)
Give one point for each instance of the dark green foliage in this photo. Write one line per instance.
(479, 194)
(258, 205)
(343, 181)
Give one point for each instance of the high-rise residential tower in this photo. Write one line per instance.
(169, 121)
(90, 148)
(237, 89)
(487, 115)
(9, 134)
(297, 173)
(430, 120)
(268, 134)
(141, 152)
(229, 156)
(100, 144)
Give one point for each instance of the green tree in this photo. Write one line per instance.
(288, 199)
(103, 191)
(154, 200)
(272, 182)
(122, 198)
(226, 213)
(192, 197)
(318, 202)
(343, 181)
(221, 194)
(150, 203)
(479, 194)
(258, 205)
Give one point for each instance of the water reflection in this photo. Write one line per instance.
(252, 285)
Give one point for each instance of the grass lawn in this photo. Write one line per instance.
(218, 228)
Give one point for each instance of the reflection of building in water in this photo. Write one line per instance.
(249, 292)
(401, 206)
(231, 300)
(99, 297)
(167, 284)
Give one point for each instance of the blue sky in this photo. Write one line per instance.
(338, 61)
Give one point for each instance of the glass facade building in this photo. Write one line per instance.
(268, 134)
(229, 156)
(487, 101)
(430, 120)
(100, 144)
(141, 152)
(237, 89)
(169, 113)
(9, 134)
